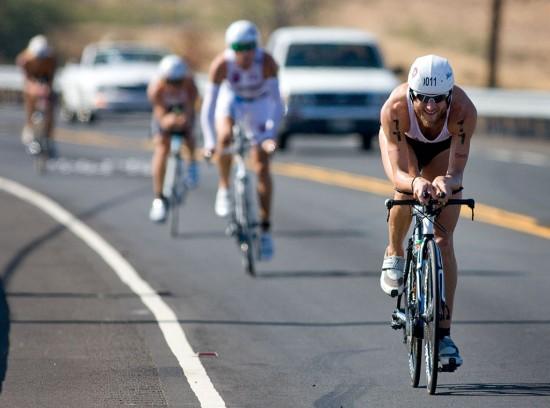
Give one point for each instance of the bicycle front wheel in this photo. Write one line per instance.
(413, 333)
(431, 314)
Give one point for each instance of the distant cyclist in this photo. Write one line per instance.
(173, 95)
(38, 63)
(244, 76)
(427, 125)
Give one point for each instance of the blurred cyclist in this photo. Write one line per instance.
(249, 96)
(173, 95)
(427, 125)
(38, 63)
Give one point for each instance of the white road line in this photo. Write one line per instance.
(529, 158)
(167, 320)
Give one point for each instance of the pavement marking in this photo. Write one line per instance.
(484, 213)
(167, 320)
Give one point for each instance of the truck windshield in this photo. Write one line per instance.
(333, 55)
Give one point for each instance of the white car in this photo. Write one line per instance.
(333, 80)
(110, 77)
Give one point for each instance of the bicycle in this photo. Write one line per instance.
(423, 297)
(175, 185)
(243, 224)
(39, 147)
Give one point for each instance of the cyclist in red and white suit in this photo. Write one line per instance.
(39, 64)
(427, 124)
(243, 88)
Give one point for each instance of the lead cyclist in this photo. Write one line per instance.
(427, 125)
(243, 88)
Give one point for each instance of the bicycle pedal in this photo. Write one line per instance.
(448, 368)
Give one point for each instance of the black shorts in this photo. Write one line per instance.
(425, 152)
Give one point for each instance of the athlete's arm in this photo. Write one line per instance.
(395, 122)
(216, 75)
(462, 123)
(270, 71)
(153, 92)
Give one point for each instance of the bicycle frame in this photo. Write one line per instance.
(243, 224)
(423, 232)
(175, 186)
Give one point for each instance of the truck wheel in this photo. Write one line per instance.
(366, 141)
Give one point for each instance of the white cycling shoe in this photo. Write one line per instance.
(159, 210)
(391, 279)
(27, 135)
(224, 205)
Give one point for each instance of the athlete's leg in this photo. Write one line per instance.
(261, 163)
(224, 131)
(448, 219)
(161, 145)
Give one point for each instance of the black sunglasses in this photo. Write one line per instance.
(247, 46)
(426, 98)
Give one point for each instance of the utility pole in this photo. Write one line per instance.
(496, 9)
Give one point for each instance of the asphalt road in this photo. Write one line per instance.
(312, 330)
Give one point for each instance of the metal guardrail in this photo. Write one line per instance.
(500, 111)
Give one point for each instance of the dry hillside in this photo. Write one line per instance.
(405, 29)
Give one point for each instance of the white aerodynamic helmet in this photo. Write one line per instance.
(39, 47)
(242, 34)
(431, 75)
(172, 67)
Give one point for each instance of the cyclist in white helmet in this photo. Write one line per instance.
(173, 95)
(39, 64)
(427, 125)
(250, 90)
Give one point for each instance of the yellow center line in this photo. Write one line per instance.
(484, 213)
(93, 138)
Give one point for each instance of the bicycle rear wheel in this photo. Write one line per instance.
(431, 315)
(176, 198)
(412, 332)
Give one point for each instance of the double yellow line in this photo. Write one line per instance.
(484, 213)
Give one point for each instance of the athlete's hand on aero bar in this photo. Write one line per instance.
(269, 146)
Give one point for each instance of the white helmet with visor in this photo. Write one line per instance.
(432, 76)
(242, 35)
(172, 68)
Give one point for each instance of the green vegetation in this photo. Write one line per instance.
(22, 19)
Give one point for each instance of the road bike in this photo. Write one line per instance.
(242, 223)
(39, 147)
(175, 185)
(422, 305)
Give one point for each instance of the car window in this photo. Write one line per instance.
(333, 55)
(117, 55)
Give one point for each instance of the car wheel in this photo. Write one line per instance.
(67, 115)
(86, 116)
(282, 141)
(366, 141)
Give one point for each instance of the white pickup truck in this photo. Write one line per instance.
(111, 76)
(333, 81)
